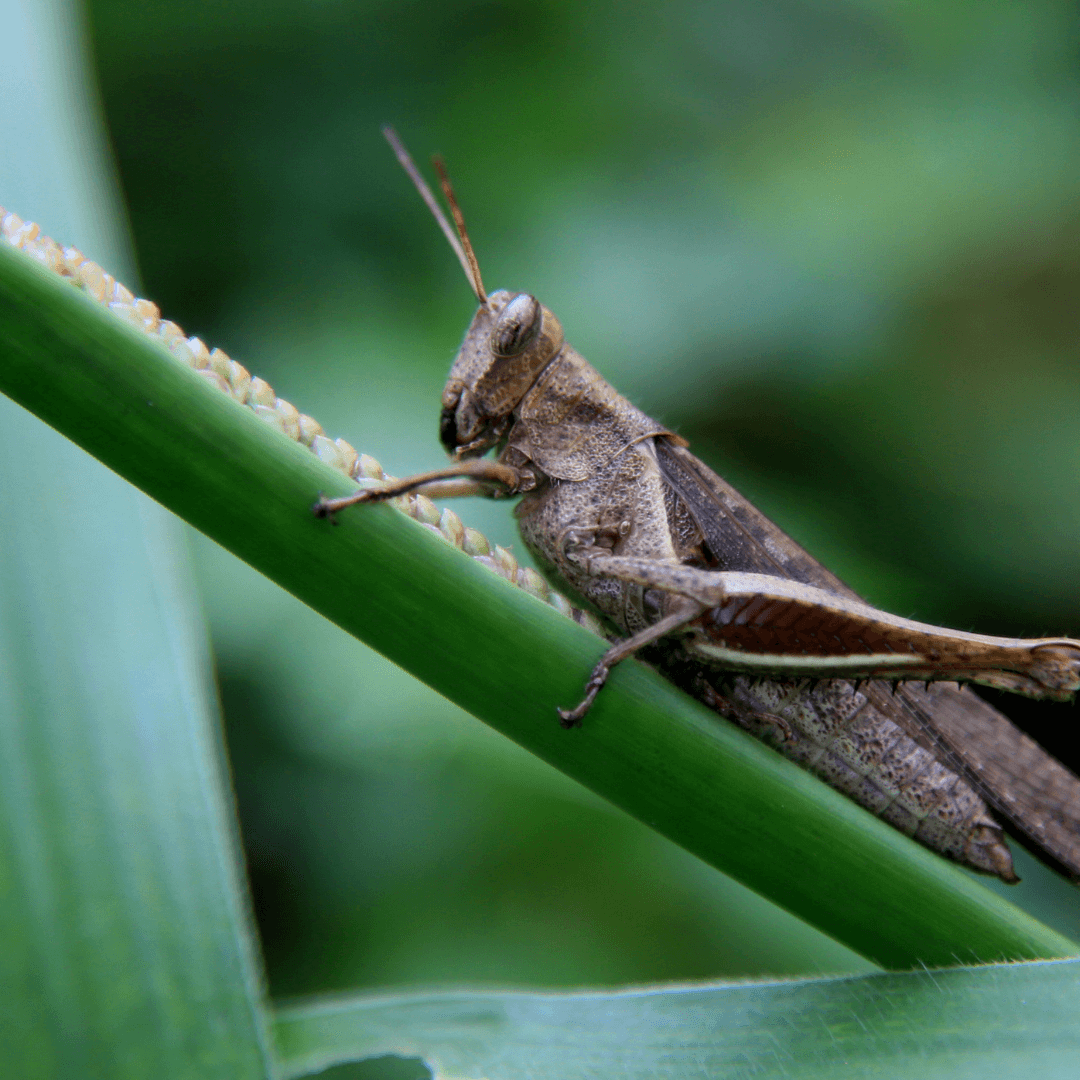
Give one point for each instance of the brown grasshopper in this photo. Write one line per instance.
(730, 608)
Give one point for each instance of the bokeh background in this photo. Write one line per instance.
(836, 244)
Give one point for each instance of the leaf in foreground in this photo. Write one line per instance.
(1002, 1021)
(125, 949)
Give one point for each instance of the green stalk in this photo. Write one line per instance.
(493, 649)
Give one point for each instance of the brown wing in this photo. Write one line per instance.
(1036, 794)
(1032, 791)
(738, 535)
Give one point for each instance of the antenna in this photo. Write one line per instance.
(468, 261)
(459, 221)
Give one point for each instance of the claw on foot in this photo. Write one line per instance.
(328, 508)
(324, 510)
(568, 718)
(571, 718)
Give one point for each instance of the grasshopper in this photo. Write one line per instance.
(731, 609)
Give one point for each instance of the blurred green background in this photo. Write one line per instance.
(837, 245)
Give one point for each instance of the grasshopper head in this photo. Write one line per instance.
(512, 338)
(510, 341)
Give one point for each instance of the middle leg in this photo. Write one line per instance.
(685, 612)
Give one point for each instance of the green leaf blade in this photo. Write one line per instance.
(1007, 1021)
(126, 947)
(125, 923)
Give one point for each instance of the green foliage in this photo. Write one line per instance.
(835, 245)
(943, 1025)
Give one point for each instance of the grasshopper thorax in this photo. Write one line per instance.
(512, 338)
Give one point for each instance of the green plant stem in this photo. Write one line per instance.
(493, 649)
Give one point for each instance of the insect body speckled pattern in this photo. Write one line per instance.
(615, 506)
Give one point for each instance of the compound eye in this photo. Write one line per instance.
(448, 429)
(517, 326)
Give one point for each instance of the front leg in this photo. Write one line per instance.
(491, 478)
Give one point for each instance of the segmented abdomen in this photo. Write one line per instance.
(837, 733)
